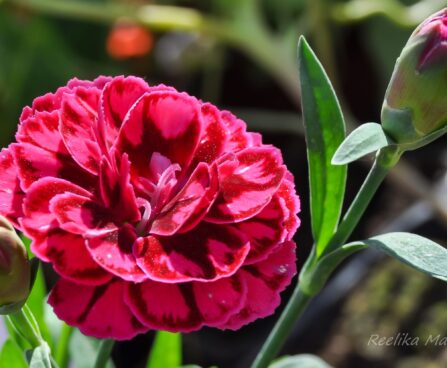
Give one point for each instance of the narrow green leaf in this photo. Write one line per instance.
(166, 351)
(40, 357)
(367, 138)
(416, 251)
(325, 130)
(300, 361)
(11, 356)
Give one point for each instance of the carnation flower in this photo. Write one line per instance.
(157, 210)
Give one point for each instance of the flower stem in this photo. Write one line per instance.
(25, 327)
(61, 354)
(359, 205)
(296, 306)
(105, 349)
(301, 296)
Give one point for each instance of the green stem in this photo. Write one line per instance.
(405, 16)
(296, 306)
(105, 349)
(61, 354)
(385, 160)
(26, 328)
(311, 285)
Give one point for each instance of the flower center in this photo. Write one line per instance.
(159, 189)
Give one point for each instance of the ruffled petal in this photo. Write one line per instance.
(117, 193)
(185, 307)
(266, 230)
(98, 311)
(265, 281)
(38, 219)
(207, 253)
(214, 137)
(11, 195)
(99, 82)
(192, 201)
(165, 122)
(71, 260)
(113, 251)
(80, 215)
(238, 138)
(118, 97)
(291, 204)
(78, 117)
(42, 130)
(34, 163)
(248, 186)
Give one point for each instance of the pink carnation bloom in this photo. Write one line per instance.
(157, 210)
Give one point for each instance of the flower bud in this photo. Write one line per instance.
(14, 269)
(415, 103)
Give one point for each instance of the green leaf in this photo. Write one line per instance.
(11, 356)
(300, 361)
(416, 251)
(166, 351)
(89, 348)
(40, 357)
(325, 130)
(367, 138)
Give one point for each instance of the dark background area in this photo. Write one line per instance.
(248, 67)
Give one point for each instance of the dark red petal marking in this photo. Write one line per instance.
(113, 251)
(80, 215)
(34, 163)
(265, 281)
(11, 195)
(194, 199)
(247, 188)
(207, 253)
(185, 307)
(98, 311)
(165, 122)
(205, 204)
(42, 130)
(213, 139)
(38, 219)
(78, 117)
(72, 261)
(265, 231)
(117, 192)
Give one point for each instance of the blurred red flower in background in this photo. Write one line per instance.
(127, 40)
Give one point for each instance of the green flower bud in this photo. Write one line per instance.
(415, 104)
(14, 269)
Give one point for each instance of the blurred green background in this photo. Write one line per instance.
(240, 55)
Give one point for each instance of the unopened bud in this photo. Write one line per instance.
(416, 99)
(14, 269)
